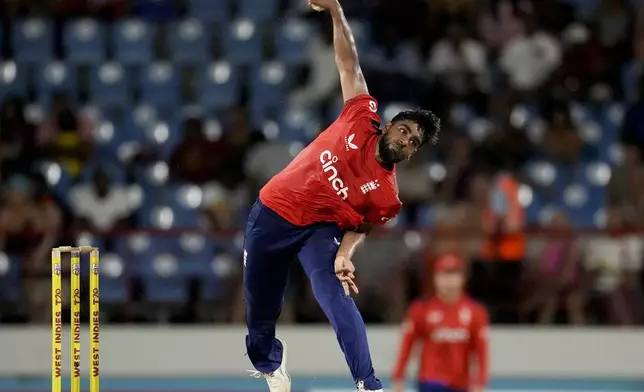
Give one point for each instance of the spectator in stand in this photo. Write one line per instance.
(460, 166)
(30, 224)
(529, 59)
(556, 277)
(101, 205)
(503, 253)
(17, 215)
(17, 139)
(615, 24)
(500, 24)
(323, 78)
(415, 186)
(240, 139)
(196, 159)
(626, 187)
(66, 137)
(614, 263)
(633, 125)
(584, 64)
(109, 10)
(445, 13)
(562, 142)
(459, 66)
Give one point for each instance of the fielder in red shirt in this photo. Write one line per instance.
(319, 210)
(452, 330)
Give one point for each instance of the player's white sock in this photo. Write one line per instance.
(279, 380)
(361, 388)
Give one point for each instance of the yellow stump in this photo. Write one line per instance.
(56, 323)
(94, 322)
(75, 300)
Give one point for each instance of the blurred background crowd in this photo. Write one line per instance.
(146, 128)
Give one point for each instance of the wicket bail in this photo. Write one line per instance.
(75, 316)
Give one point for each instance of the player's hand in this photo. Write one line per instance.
(344, 270)
(326, 5)
(398, 386)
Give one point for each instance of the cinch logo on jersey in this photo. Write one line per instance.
(451, 335)
(327, 160)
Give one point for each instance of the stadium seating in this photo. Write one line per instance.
(32, 41)
(229, 50)
(84, 42)
(133, 42)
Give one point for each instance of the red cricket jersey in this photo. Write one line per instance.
(336, 178)
(453, 337)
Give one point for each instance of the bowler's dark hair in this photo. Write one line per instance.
(427, 121)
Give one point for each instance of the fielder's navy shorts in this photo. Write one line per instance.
(426, 386)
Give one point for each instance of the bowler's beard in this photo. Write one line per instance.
(388, 155)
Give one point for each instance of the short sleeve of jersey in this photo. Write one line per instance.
(383, 216)
(362, 106)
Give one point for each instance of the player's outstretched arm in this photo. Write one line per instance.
(346, 55)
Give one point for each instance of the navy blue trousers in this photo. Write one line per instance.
(270, 246)
(424, 386)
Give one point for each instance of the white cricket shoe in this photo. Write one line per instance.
(279, 380)
(361, 388)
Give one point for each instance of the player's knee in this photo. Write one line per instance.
(327, 289)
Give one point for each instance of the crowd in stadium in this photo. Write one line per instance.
(147, 127)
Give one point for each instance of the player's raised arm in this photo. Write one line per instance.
(346, 55)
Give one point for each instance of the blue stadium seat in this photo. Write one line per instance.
(299, 124)
(580, 206)
(136, 121)
(134, 247)
(58, 179)
(84, 42)
(109, 85)
(292, 41)
(13, 80)
(190, 42)
(269, 85)
(197, 248)
(32, 40)
(89, 239)
(53, 78)
(164, 244)
(10, 282)
(133, 42)
(219, 86)
(334, 110)
(160, 85)
(209, 10)
(426, 216)
(362, 34)
(219, 267)
(152, 178)
(162, 136)
(243, 42)
(108, 138)
(259, 10)
(161, 279)
(165, 217)
(114, 274)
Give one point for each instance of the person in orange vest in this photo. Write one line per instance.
(503, 251)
